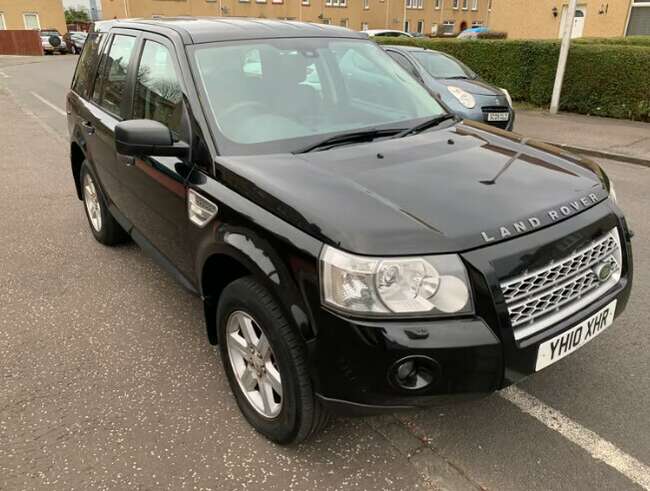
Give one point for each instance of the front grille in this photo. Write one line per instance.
(540, 298)
(495, 109)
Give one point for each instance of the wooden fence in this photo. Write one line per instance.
(20, 42)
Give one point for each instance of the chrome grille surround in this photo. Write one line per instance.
(540, 298)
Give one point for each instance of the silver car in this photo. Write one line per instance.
(52, 42)
(459, 88)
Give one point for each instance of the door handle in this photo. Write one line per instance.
(90, 129)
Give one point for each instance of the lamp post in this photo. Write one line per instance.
(564, 54)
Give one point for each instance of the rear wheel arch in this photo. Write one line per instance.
(77, 157)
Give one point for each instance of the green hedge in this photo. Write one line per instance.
(601, 79)
(626, 41)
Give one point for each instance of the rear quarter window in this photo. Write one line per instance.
(87, 65)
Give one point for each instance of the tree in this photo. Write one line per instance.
(79, 14)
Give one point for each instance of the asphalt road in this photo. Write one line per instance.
(107, 380)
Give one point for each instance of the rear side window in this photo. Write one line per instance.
(158, 93)
(86, 67)
(110, 88)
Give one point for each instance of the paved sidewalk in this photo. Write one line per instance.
(602, 137)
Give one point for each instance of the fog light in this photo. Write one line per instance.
(414, 372)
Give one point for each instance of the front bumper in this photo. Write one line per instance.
(473, 356)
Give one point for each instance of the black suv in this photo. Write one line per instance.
(356, 247)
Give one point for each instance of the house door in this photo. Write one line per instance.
(578, 21)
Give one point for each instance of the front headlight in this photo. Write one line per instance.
(507, 94)
(465, 98)
(435, 285)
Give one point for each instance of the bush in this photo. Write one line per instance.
(604, 79)
(626, 41)
(492, 35)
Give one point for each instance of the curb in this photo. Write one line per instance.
(591, 152)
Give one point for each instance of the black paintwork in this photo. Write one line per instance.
(439, 191)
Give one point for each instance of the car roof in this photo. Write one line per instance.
(195, 30)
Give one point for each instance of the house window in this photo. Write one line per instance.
(420, 26)
(474, 4)
(448, 27)
(639, 22)
(454, 4)
(277, 1)
(305, 2)
(407, 26)
(465, 2)
(344, 22)
(477, 23)
(366, 4)
(31, 21)
(364, 26)
(336, 3)
(260, 1)
(414, 4)
(3, 26)
(489, 4)
(437, 4)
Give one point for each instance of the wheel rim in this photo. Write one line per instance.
(254, 364)
(93, 206)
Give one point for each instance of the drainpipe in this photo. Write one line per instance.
(387, 12)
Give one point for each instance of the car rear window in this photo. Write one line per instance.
(110, 88)
(87, 64)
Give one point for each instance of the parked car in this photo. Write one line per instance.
(387, 33)
(459, 88)
(472, 32)
(356, 247)
(52, 42)
(76, 40)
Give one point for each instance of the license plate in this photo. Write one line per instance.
(566, 343)
(498, 116)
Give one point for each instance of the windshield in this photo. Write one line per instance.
(280, 95)
(442, 66)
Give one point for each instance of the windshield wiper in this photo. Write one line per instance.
(349, 137)
(429, 123)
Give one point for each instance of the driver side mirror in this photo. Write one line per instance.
(145, 137)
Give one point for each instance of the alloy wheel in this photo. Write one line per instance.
(91, 200)
(254, 364)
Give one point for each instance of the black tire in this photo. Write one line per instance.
(301, 414)
(109, 232)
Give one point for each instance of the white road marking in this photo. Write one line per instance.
(597, 447)
(48, 103)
